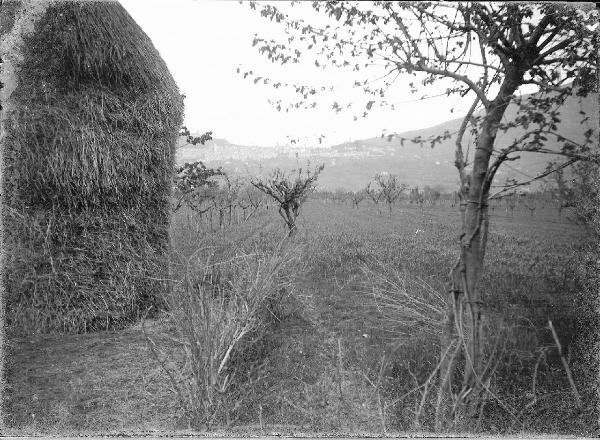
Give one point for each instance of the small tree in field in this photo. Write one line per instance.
(531, 204)
(416, 196)
(511, 203)
(251, 201)
(357, 197)
(431, 195)
(390, 188)
(289, 190)
(340, 195)
(374, 194)
(561, 191)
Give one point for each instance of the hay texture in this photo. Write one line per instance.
(88, 160)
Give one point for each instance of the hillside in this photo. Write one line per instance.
(352, 165)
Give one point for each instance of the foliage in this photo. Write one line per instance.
(576, 192)
(195, 140)
(195, 184)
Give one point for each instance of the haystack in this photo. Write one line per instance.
(88, 160)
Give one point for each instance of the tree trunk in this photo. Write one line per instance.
(289, 218)
(473, 251)
(465, 279)
(291, 222)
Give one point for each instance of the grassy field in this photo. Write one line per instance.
(335, 362)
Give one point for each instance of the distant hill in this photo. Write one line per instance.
(351, 165)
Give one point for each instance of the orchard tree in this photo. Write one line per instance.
(390, 188)
(252, 199)
(340, 195)
(375, 195)
(289, 190)
(357, 197)
(561, 191)
(416, 196)
(531, 204)
(486, 53)
(510, 201)
(432, 195)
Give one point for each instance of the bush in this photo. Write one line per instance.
(220, 314)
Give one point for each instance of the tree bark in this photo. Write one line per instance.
(473, 243)
(464, 292)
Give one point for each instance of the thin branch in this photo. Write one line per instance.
(565, 365)
(460, 158)
(539, 30)
(434, 71)
(540, 176)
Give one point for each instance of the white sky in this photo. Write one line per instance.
(204, 42)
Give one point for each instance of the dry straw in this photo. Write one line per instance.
(89, 155)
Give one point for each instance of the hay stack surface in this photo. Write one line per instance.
(88, 161)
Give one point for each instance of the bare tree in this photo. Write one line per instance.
(390, 188)
(374, 194)
(455, 200)
(431, 195)
(232, 188)
(289, 190)
(416, 196)
(510, 201)
(225, 199)
(561, 192)
(530, 203)
(357, 197)
(486, 51)
(251, 201)
(340, 195)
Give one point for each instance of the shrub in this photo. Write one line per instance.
(219, 315)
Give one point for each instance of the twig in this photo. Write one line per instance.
(379, 403)
(340, 367)
(340, 378)
(534, 379)
(565, 365)
(426, 386)
(154, 351)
